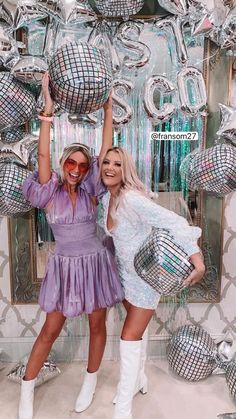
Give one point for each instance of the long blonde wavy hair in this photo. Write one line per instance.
(130, 179)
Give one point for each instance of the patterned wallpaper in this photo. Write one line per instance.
(20, 324)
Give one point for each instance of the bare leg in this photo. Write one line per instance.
(136, 321)
(49, 332)
(97, 340)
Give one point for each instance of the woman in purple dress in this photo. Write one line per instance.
(81, 275)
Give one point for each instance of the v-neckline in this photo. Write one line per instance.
(106, 215)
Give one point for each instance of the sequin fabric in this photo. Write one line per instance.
(136, 216)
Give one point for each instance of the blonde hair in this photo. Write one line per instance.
(130, 179)
(70, 149)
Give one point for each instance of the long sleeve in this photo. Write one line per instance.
(39, 194)
(159, 217)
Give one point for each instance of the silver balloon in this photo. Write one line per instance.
(101, 37)
(210, 17)
(162, 84)
(18, 13)
(12, 136)
(174, 24)
(119, 8)
(12, 201)
(48, 371)
(162, 263)
(178, 7)
(192, 353)
(80, 78)
(68, 11)
(17, 104)
(23, 148)
(228, 33)
(198, 88)
(212, 170)
(87, 120)
(122, 111)
(8, 156)
(230, 375)
(125, 34)
(227, 416)
(228, 123)
(9, 54)
(30, 70)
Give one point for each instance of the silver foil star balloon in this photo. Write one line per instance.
(18, 13)
(30, 69)
(228, 123)
(68, 11)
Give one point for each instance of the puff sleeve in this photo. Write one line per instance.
(39, 195)
(160, 217)
(92, 183)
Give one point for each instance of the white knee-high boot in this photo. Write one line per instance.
(141, 384)
(87, 391)
(130, 353)
(26, 404)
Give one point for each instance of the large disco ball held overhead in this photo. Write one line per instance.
(212, 170)
(17, 104)
(192, 353)
(162, 263)
(80, 77)
(119, 8)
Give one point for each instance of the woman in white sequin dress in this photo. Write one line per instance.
(128, 216)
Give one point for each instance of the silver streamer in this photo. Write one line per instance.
(213, 170)
(162, 263)
(80, 78)
(192, 353)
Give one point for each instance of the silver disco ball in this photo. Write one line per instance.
(115, 8)
(192, 353)
(12, 136)
(17, 104)
(162, 263)
(12, 201)
(212, 170)
(80, 78)
(230, 375)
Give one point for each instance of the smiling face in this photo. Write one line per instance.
(112, 171)
(75, 168)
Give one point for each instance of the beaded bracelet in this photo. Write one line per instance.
(45, 118)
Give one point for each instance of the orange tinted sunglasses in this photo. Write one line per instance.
(71, 164)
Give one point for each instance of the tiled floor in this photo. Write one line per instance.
(169, 397)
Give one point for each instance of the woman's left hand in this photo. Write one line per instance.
(108, 104)
(198, 273)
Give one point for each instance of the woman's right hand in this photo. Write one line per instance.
(48, 102)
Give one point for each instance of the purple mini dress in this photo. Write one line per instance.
(81, 276)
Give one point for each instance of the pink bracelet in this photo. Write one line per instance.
(45, 118)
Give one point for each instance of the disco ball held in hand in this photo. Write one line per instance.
(117, 8)
(80, 78)
(12, 201)
(212, 170)
(192, 353)
(162, 263)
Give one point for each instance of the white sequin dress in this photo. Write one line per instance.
(135, 217)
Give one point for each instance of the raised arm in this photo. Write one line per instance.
(107, 129)
(44, 163)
